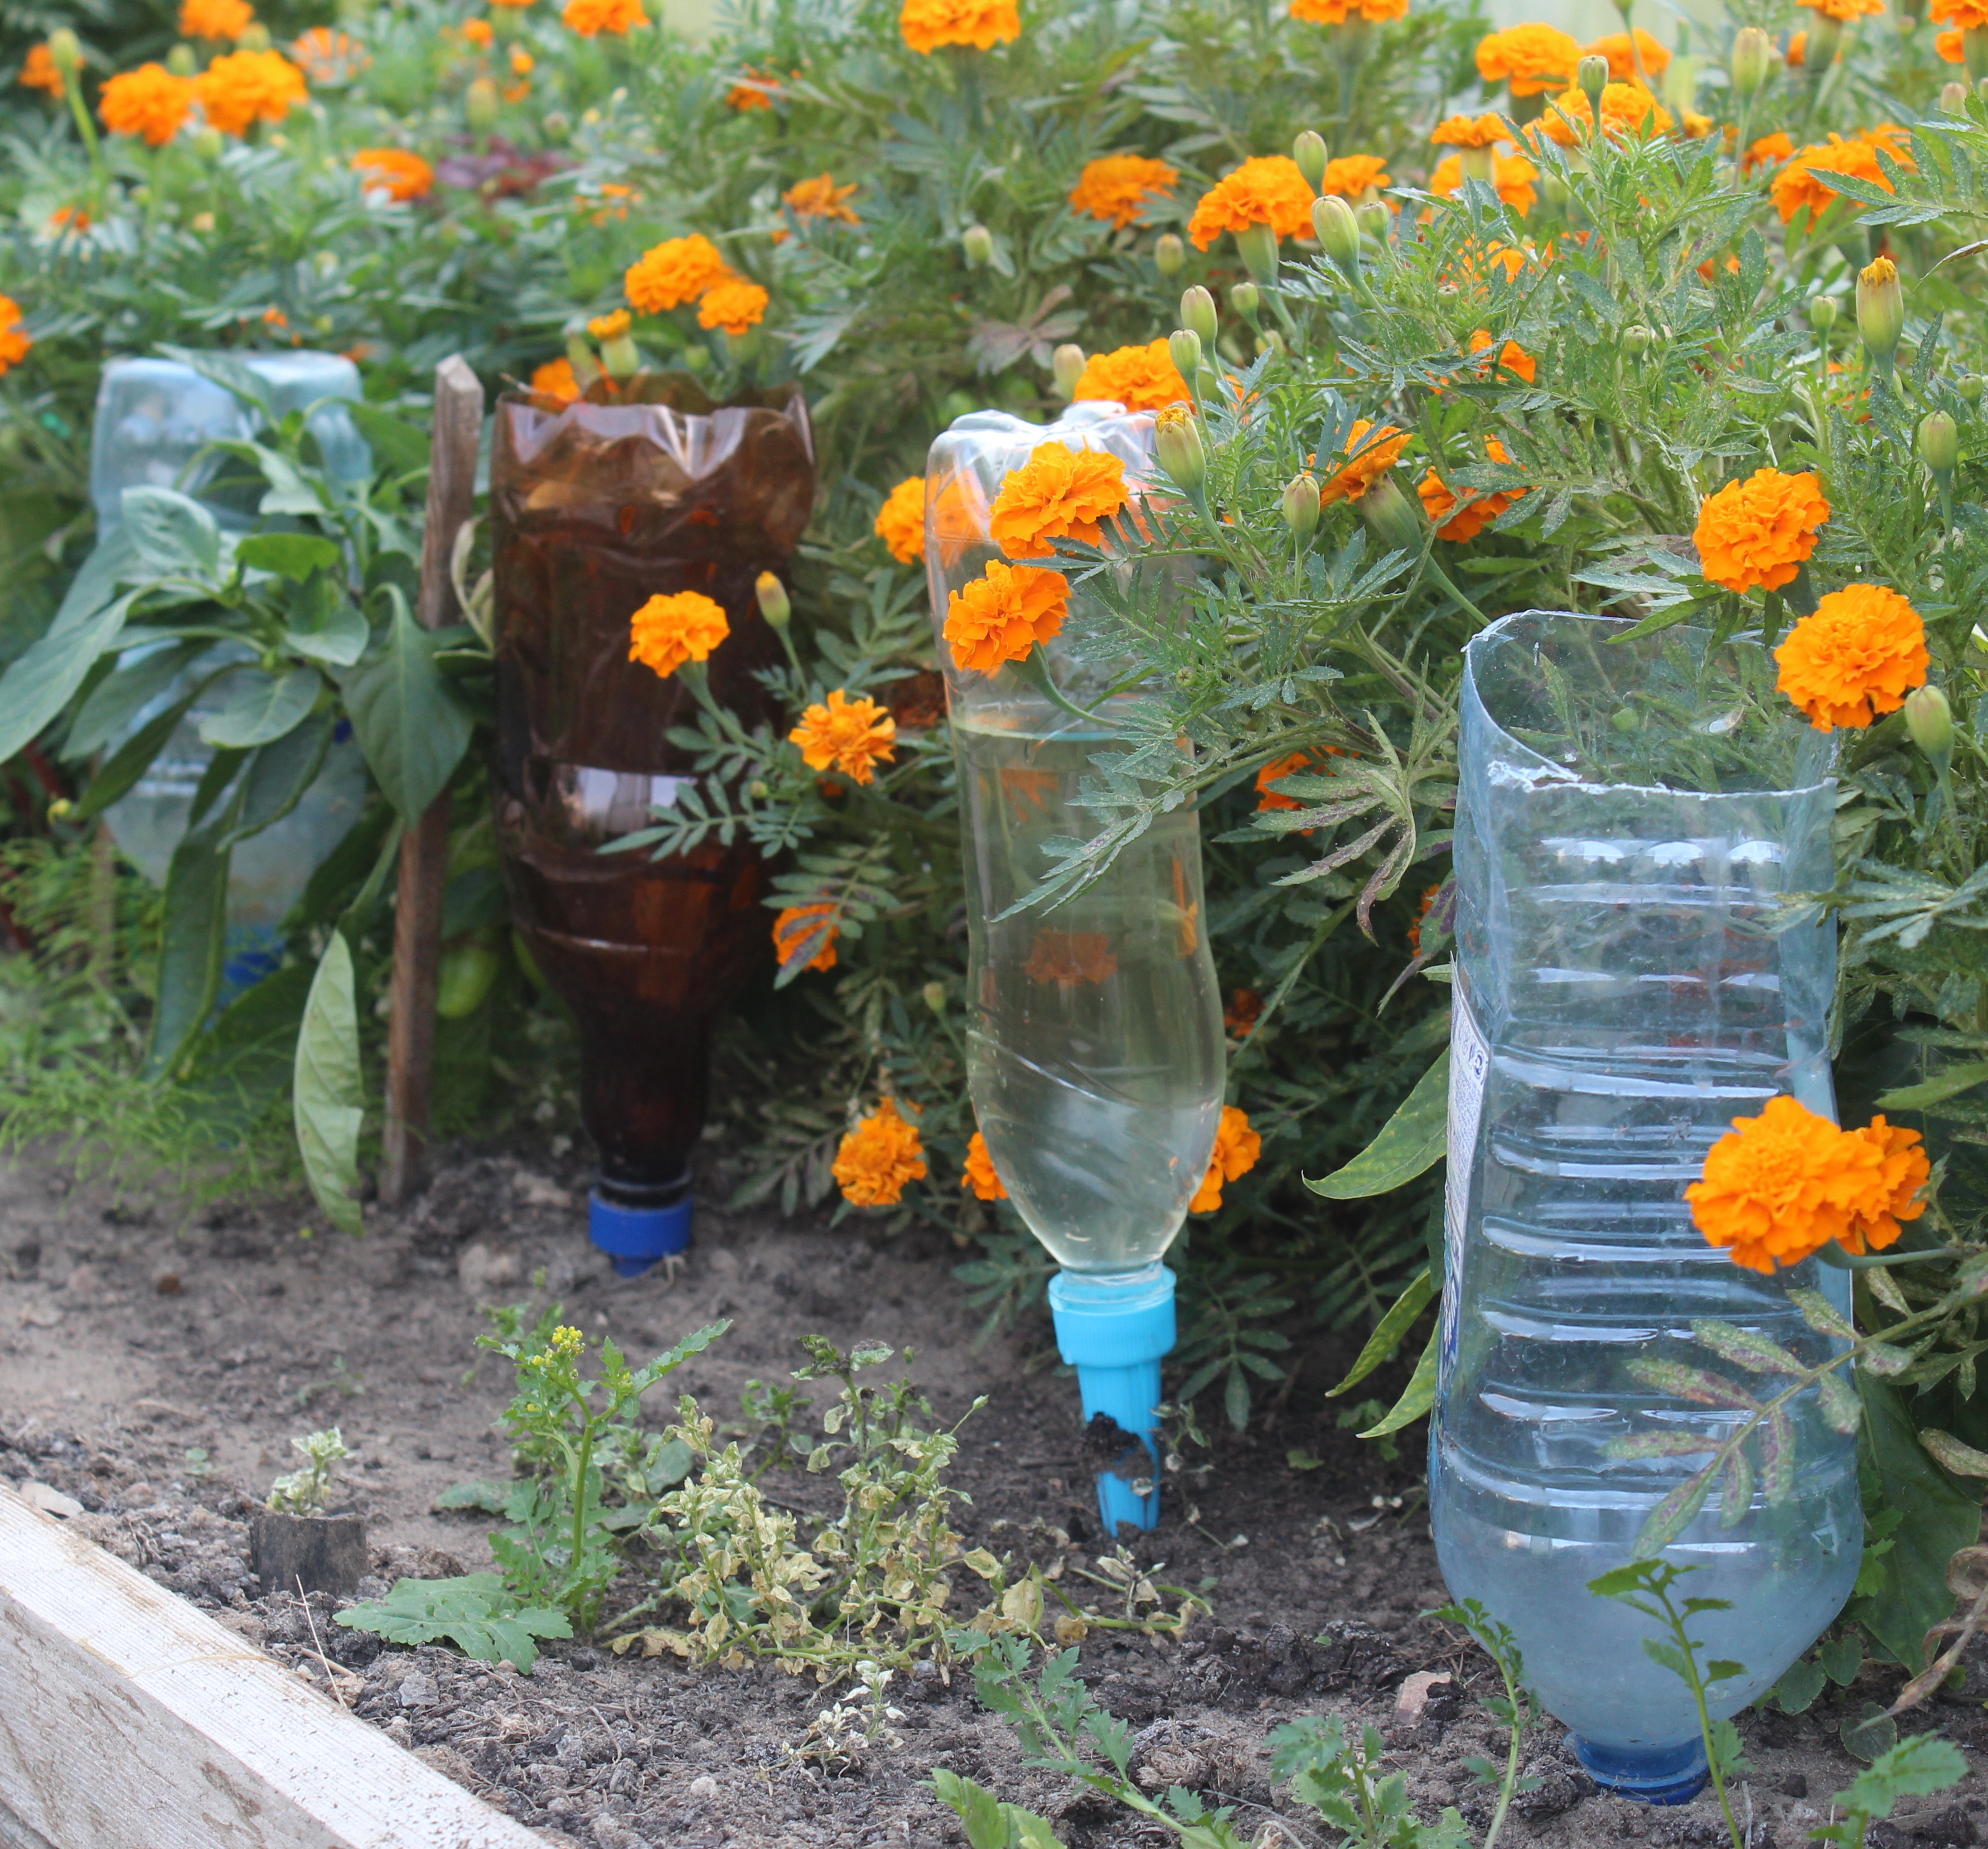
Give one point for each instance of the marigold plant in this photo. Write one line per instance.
(327, 56)
(666, 632)
(901, 521)
(796, 927)
(980, 1174)
(14, 345)
(38, 70)
(150, 102)
(400, 175)
(216, 19)
(1843, 10)
(733, 304)
(820, 198)
(1267, 190)
(1470, 131)
(1115, 187)
(556, 380)
(1804, 181)
(851, 735)
(1141, 378)
(929, 24)
(1512, 176)
(1856, 657)
(674, 272)
(1621, 55)
(591, 18)
(1627, 109)
(1372, 452)
(243, 88)
(879, 1158)
(1058, 493)
(1237, 1148)
(1339, 12)
(1756, 533)
(1530, 60)
(1355, 177)
(1461, 517)
(1002, 615)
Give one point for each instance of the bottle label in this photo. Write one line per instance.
(1469, 1064)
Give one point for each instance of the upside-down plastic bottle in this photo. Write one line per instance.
(1632, 817)
(597, 506)
(1094, 1047)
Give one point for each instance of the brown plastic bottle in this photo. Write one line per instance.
(596, 507)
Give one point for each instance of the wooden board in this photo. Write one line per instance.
(130, 1720)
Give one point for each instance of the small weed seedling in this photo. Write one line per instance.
(1912, 1769)
(1644, 1586)
(841, 1739)
(1515, 1710)
(1342, 1781)
(475, 1613)
(303, 1492)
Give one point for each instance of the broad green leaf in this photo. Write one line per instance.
(475, 1612)
(329, 1099)
(264, 707)
(120, 695)
(489, 1496)
(1795, 1691)
(1963, 1460)
(36, 687)
(1409, 1142)
(192, 946)
(1840, 1658)
(412, 726)
(131, 760)
(1417, 1397)
(326, 625)
(403, 445)
(293, 555)
(1914, 1768)
(231, 374)
(1387, 1337)
(977, 1809)
(172, 536)
(1871, 1734)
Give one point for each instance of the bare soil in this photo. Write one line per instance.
(154, 1367)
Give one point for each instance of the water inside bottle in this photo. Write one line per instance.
(1094, 1050)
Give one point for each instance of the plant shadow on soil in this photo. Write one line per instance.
(153, 1370)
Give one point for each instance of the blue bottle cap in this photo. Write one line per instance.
(636, 1237)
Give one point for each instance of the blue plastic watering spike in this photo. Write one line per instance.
(635, 1236)
(1113, 1328)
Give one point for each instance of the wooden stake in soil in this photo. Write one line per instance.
(458, 426)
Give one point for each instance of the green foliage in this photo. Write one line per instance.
(1912, 1769)
(329, 1101)
(1221, 1340)
(477, 1613)
(1515, 1709)
(303, 1492)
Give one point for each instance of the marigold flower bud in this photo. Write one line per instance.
(1257, 245)
(1974, 51)
(1825, 39)
(1169, 254)
(1374, 219)
(580, 358)
(1338, 232)
(1953, 98)
(557, 123)
(1753, 59)
(1311, 154)
(1881, 311)
(1592, 75)
(181, 62)
(774, 605)
(479, 105)
(1197, 313)
(208, 143)
(1067, 363)
(1245, 298)
(1970, 386)
(1929, 719)
(620, 358)
(1177, 442)
(1386, 510)
(977, 241)
(1184, 349)
(1636, 340)
(1299, 505)
(934, 997)
(1822, 310)
(1939, 444)
(65, 50)
(255, 37)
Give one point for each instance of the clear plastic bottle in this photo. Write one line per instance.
(1094, 1047)
(1628, 823)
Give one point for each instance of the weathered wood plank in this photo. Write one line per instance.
(130, 1720)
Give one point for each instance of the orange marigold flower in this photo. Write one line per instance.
(1245, 1010)
(1269, 795)
(1758, 532)
(676, 271)
(1268, 190)
(1141, 378)
(1804, 181)
(983, 23)
(958, 517)
(1858, 654)
(1470, 131)
(326, 56)
(556, 380)
(1115, 187)
(878, 1157)
(1512, 357)
(1963, 15)
(480, 33)
(15, 346)
(1845, 10)
(244, 88)
(67, 219)
(393, 171)
(1462, 520)
(1372, 452)
(609, 326)
(1770, 150)
(1421, 914)
(666, 632)
(39, 71)
(1622, 61)
(1896, 141)
(1627, 109)
(1058, 493)
(752, 92)
(216, 19)
(797, 927)
(1071, 957)
(1354, 176)
(820, 198)
(733, 304)
(591, 18)
(901, 521)
(149, 102)
(852, 736)
(522, 62)
(1336, 13)
(980, 1175)
(1798, 50)
(1951, 45)
(1004, 613)
(1514, 175)
(1530, 59)
(1236, 1148)
(1780, 1186)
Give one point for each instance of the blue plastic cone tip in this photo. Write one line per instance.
(636, 1237)
(1656, 1775)
(1113, 1327)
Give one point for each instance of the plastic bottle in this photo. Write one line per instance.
(1623, 990)
(1094, 1046)
(596, 507)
